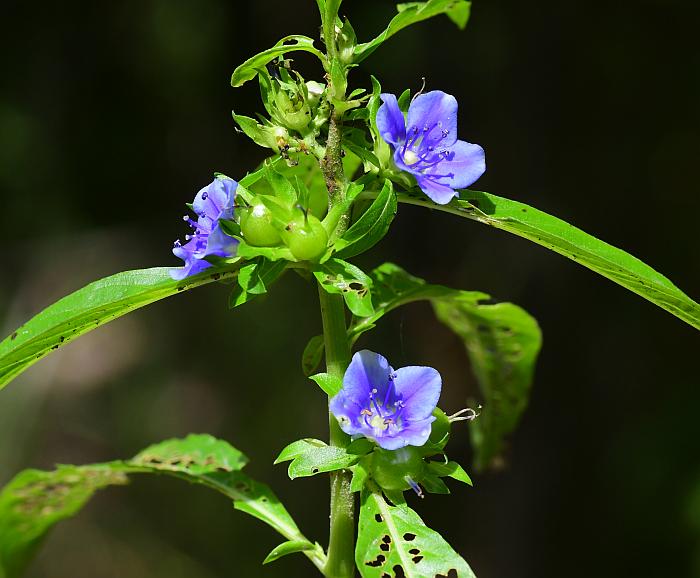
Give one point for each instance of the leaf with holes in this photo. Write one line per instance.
(90, 307)
(337, 276)
(310, 456)
(34, 501)
(249, 69)
(393, 541)
(412, 13)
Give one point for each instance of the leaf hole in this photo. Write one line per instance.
(314, 470)
(378, 561)
(398, 572)
(416, 559)
(414, 551)
(409, 537)
(386, 539)
(384, 547)
(378, 518)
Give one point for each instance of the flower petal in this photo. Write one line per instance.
(415, 434)
(437, 111)
(441, 194)
(419, 388)
(467, 165)
(216, 199)
(390, 120)
(220, 244)
(367, 371)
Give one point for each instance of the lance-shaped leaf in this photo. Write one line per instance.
(34, 501)
(567, 240)
(393, 541)
(502, 342)
(91, 306)
(249, 69)
(411, 13)
(371, 227)
(310, 456)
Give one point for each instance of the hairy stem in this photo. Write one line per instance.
(333, 172)
(342, 531)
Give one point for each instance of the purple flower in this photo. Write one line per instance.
(425, 144)
(392, 408)
(212, 203)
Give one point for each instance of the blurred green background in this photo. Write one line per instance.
(113, 114)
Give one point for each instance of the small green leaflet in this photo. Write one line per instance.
(392, 535)
(248, 70)
(502, 342)
(91, 306)
(310, 456)
(34, 501)
(411, 13)
(567, 240)
(371, 227)
(336, 276)
(254, 278)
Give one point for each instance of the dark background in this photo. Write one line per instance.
(113, 114)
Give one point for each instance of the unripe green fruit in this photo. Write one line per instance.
(306, 238)
(257, 227)
(392, 469)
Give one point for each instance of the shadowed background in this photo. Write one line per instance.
(112, 116)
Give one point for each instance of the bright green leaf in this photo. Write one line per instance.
(411, 13)
(254, 278)
(248, 70)
(371, 227)
(289, 547)
(330, 384)
(91, 306)
(336, 276)
(567, 240)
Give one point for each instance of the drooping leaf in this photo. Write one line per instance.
(34, 501)
(254, 278)
(567, 240)
(411, 13)
(290, 547)
(337, 276)
(393, 540)
(371, 227)
(502, 342)
(90, 307)
(248, 70)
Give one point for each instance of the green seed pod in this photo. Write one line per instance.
(306, 238)
(257, 227)
(397, 469)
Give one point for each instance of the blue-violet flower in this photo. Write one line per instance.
(425, 144)
(213, 202)
(392, 408)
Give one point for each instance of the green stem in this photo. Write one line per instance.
(341, 544)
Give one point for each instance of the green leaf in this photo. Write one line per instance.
(450, 469)
(310, 457)
(567, 240)
(411, 13)
(34, 501)
(91, 306)
(248, 70)
(289, 547)
(371, 227)
(313, 354)
(330, 384)
(502, 341)
(336, 276)
(391, 535)
(254, 279)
